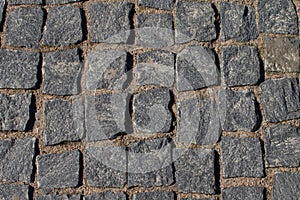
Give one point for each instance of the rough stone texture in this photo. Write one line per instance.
(108, 69)
(151, 111)
(196, 68)
(110, 22)
(286, 185)
(155, 30)
(18, 69)
(237, 110)
(150, 163)
(240, 65)
(60, 1)
(278, 17)
(281, 54)
(282, 146)
(19, 192)
(24, 27)
(2, 11)
(238, 22)
(194, 170)
(280, 98)
(16, 159)
(159, 4)
(19, 2)
(63, 26)
(105, 166)
(58, 197)
(198, 122)
(106, 195)
(196, 199)
(63, 121)
(241, 157)
(154, 196)
(62, 71)
(58, 170)
(107, 116)
(156, 68)
(15, 112)
(194, 21)
(243, 193)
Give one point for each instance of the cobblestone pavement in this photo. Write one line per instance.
(149, 99)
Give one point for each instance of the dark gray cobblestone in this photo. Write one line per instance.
(286, 185)
(159, 4)
(20, 192)
(60, 1)
(25, 2)
(154, 195)
(106, 195)
(58, 197)
(2, 10)
(243, 193)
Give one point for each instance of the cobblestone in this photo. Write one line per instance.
(286, 186)
(159, 4)
(154, 195)
(20, 192)
(60, 1)
(2, 9)
(25, 2)
(106, 195)
(243, 193)
(58, 197)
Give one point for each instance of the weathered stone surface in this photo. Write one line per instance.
(107, 116)
(20, 192)
(58, 197)
(281, 54)
(60, 1)
(150, 163)
(241, 157)
(237, 110)
(106, 195)
(238, 22)
(15, 112)
(151, 111)
(160, 4)
(196, 199)
(105, 166)
(280, 98)
(108, 69)
(282, 146)
(110, 21)
(16, 159)
(18, 69)
(194, 170)
(62, 71)
(286, 185)
(196, 68)
(240, 65)
(155, 30)
(63, 26)
(63, 121)
(194, 21)
(278, 17)
(24, 27)
(18, 2)
(58, 170)
(198, 122)
(156, 68)
(2, 10)
(154, 195)
(243, 193)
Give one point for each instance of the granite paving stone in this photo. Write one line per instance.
(282, 146)
(238, 22)
(20, 192)
(2, 11)
(16, 159)
(241, 157)
(280, 98)
(243, 193)
(194, 21)
(106, 195)
(278, 17)
(159, 4)
(63, 121)
(62, 72)
(15, 112)
(24, 27)
(196, 68)
(240, 65)
(198, 121)
(58, 170)
(60, 1)
(197, 199)
(58, 197)
(156, 68)
(286, 185)
(154, 195)
(18, 69)
(63, 26)
(110, 22)
(24, 2)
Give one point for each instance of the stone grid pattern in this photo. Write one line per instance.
(64, 135)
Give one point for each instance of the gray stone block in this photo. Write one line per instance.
(2, 11)
(196, 68)
(240, 65)
(280, 98)
(241, 157)
(19, 2)
(58, 170)
(286, 185)
(159, 4)
(63, 26)
(62, 72)
(60, 1)
(58, 197)
(18, 69)
(278, 17)
(106, 195)
(110, 21)
(156, 68)
(20, 192)
(24, 27)
(282, 146)
(154, 196)
(16, 159)
(197, 199)
(243, 193)
(63, 121)
(15, 112)
(194, 21)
